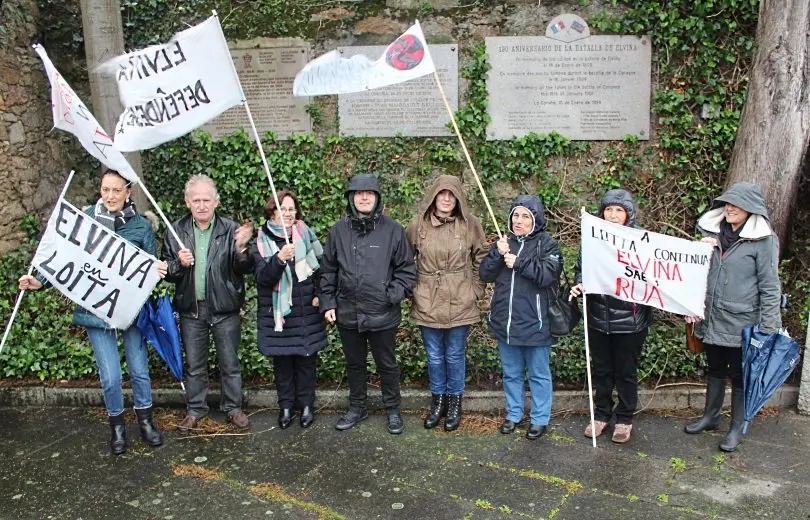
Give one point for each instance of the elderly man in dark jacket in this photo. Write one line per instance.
(210, 292)
(367, 270)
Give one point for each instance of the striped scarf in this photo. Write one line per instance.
(117, 220)
(307, 252)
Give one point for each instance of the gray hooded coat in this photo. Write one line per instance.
(743, 284)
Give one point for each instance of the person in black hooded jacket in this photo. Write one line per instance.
(367, 271)
(523, 267)
(616, 333)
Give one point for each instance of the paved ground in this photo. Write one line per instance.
(55, 464)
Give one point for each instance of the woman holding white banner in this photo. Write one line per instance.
(523, 266)
(617, 330)
(116, 211)
(742, 290)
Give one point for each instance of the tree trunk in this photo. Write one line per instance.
(104, 39)
(772, 139)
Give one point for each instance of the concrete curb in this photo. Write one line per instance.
(670, 398)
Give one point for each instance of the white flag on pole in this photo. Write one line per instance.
(94, 267)
(170, 89)
(405, 59)
(643, 267)
(70, 114)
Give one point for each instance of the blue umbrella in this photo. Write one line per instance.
(159, 328)
(768, 360)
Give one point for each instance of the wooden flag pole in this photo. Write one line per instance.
(30, 270)
(466, 153)
(255, 132)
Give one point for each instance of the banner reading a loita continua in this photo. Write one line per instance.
(94, 267)
(169, 90)
(642, 267)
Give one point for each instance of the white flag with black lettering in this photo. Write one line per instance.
(70, 114)
(94, 267)
(170, 89)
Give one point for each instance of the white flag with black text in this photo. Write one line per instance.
(170, 89)
(94, 267)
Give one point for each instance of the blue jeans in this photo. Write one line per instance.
(447, 364)
(108, 361)
(515, 361)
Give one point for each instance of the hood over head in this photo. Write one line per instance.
(744, 195)
(535, 207)
(747, 196)
(446, 182)
(621, 198)
(364, 182)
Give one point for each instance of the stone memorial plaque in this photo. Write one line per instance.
(267, 75)
(593, 88)
(413, 108)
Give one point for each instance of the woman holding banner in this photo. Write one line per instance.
(116, 211)
(290, 326)
(449, 245)
(617, 330)
(523, 266)
(742, 290)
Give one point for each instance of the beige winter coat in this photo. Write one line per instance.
(448, 253)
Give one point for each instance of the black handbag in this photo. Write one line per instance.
(563, 314)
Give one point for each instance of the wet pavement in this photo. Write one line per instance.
(56, 464)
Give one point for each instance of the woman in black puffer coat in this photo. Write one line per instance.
(616, 333)
(290, 326)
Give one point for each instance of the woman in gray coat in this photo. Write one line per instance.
(742, 290)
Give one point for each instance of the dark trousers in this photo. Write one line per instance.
(295, 380)
(196, 332)
(615, 365)
(355, 348)
(725, 362)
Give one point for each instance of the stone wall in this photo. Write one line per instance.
(33, 160)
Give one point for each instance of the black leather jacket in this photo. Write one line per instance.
(224, 277)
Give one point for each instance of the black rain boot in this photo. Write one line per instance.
(149, 433)
(734, 435)
(285, 418)
(453, 419)
(437, 410)
(118, 441)
(715, 393)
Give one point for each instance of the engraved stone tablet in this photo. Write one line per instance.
(413, 108)
(267, 76)
(594, 88)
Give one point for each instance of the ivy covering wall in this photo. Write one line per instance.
(702, 51)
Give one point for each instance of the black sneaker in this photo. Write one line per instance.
(508, 427)
(535, 431)
(351, 418)
(395, 423)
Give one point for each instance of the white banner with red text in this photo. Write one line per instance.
(643, 267)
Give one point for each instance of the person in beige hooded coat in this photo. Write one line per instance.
(449, 245)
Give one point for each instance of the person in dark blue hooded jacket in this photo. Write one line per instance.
(523, 266)
(616, 333)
